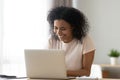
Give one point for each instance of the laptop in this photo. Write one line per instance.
(45, 64)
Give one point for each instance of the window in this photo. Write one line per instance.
(24, 27)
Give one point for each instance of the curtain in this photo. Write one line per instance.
(1, 32)
(56, 3)
(24, 27)
(67, 3)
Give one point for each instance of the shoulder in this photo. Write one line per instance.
(53, 43)
(87, 38)
(88, 44)
(51, 39)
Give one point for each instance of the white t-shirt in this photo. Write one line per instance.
(73, 51)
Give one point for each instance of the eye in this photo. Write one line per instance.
(62, 28)
(55, 28)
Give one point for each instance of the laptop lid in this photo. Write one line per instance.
(45, 63)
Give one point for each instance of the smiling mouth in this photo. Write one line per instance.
(61, 37)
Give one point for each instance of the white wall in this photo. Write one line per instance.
(0, 33)
(104, 18)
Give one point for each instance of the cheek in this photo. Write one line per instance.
(54, 31)
(68, 33)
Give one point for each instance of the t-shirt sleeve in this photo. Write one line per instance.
(88, 44)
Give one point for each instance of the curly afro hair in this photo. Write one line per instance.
(73, 16)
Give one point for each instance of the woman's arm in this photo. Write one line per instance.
(86, 65)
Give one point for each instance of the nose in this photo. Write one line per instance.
(59, 32)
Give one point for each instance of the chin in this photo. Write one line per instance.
(62, 40)
(65, 41)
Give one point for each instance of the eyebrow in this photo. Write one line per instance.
(60, 27)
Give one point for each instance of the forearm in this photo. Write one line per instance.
(86, 67)
(81, 72)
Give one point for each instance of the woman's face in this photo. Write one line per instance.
(63, 30)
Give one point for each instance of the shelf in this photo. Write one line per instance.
(110, 71)
(109, 65)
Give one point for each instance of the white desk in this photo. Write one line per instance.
(62, 79)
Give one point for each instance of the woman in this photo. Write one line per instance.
(69, 31)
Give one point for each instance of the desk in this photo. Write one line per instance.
(54, 79)
(61, 79)
(113, 71)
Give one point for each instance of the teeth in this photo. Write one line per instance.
(60, 36)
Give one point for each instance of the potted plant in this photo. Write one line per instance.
(114, 54)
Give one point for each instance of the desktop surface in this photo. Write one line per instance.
(59, 79)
